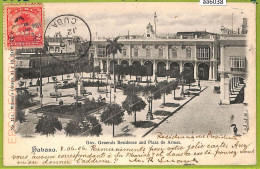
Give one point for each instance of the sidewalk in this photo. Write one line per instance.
(204, 114)
(128, 129)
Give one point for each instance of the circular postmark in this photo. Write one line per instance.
(67, 38)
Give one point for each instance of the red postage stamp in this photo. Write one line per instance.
(23, 26)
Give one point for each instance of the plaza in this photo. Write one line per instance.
(200, 78)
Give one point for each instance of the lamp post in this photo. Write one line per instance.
(98, 84)
(182, 88)
(56, 91)
(110, 93)
(99, 100)
(41, 96)
(84, 121)
(114, 98)
(149, 115)
(83, 125)
(77, 97)
(106, 84)
(156, 73)
(114, 73)
(101, 75)
(199, 82)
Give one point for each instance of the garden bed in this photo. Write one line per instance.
(83, 109)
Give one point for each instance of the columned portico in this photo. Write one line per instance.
(181, 66)
(108, 66)
(101, 66)
(210, 71)
(195, 70)
(154, 69)
(214, 71)
(247, 96)
(224, 89)
(142, 62)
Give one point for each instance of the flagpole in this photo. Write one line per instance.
(155, 17)
(232, 23)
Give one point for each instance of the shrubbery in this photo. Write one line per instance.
(85, 84)
(48, 125)
(83, 109)
(87, 126)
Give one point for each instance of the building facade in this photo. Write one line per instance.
(198, 51)
(233, 68)
(209, 56)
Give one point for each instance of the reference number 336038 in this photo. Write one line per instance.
(213, 2)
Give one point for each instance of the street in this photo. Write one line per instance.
(204, 114)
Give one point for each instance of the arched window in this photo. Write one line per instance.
(57, 49)
(51, 49)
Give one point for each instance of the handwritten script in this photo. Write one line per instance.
(164, 150)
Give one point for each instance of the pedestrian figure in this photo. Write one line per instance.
(61, 102)
(234, 129)
(220, 102)
(37, 89)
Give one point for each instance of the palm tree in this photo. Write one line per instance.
(112, 48)
(113, 115)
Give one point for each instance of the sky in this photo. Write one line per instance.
(113, 19)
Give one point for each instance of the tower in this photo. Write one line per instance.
(244, 26)
(149, 31)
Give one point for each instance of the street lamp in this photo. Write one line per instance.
(101, 75)
(106, 84)
(84, 121)
(156, 73)
(114, 98)
(99, 100)
(149, 115)
(199, 82)
(182, 88)
(110, 92)
(114, 73)
(83, 124)
(41, 95)
(77, 97)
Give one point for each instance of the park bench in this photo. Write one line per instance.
(55, 94)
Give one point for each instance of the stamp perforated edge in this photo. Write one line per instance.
(5, 5)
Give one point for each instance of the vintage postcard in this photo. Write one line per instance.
(129, 84)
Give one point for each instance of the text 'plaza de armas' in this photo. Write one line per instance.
(214, 57)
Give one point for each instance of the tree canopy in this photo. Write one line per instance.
(112, 115)
(48, 125)
(133, 103)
